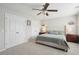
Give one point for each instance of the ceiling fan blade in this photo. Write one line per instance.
(52, 10)
(39, 13)
(45, 6)
(37, 9)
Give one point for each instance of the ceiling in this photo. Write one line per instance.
(64, 9)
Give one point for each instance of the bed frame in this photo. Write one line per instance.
(60, 47)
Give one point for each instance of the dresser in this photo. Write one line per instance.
(71, 37)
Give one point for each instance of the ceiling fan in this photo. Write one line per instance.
(44, 10)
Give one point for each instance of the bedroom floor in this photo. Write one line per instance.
(32, 48)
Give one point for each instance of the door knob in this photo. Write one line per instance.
(17, 32)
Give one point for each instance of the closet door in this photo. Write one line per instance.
(9, 30)
(1, 29)
(15, 30)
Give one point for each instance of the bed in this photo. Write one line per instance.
(54, 40)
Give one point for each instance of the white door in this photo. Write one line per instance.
(9, 30)
(15, 30)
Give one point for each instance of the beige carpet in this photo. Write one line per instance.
(32, 48)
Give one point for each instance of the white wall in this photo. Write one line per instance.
(35, 27)
(59, 23)
(77, 24)
(14, 25)
(35, 21)
(1, 28)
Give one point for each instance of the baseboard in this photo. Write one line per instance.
(12, 46)
(2, 49)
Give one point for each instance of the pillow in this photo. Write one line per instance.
(60, 33)
(56, 32)
(52, 32)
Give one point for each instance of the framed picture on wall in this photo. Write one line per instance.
(28, 22)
